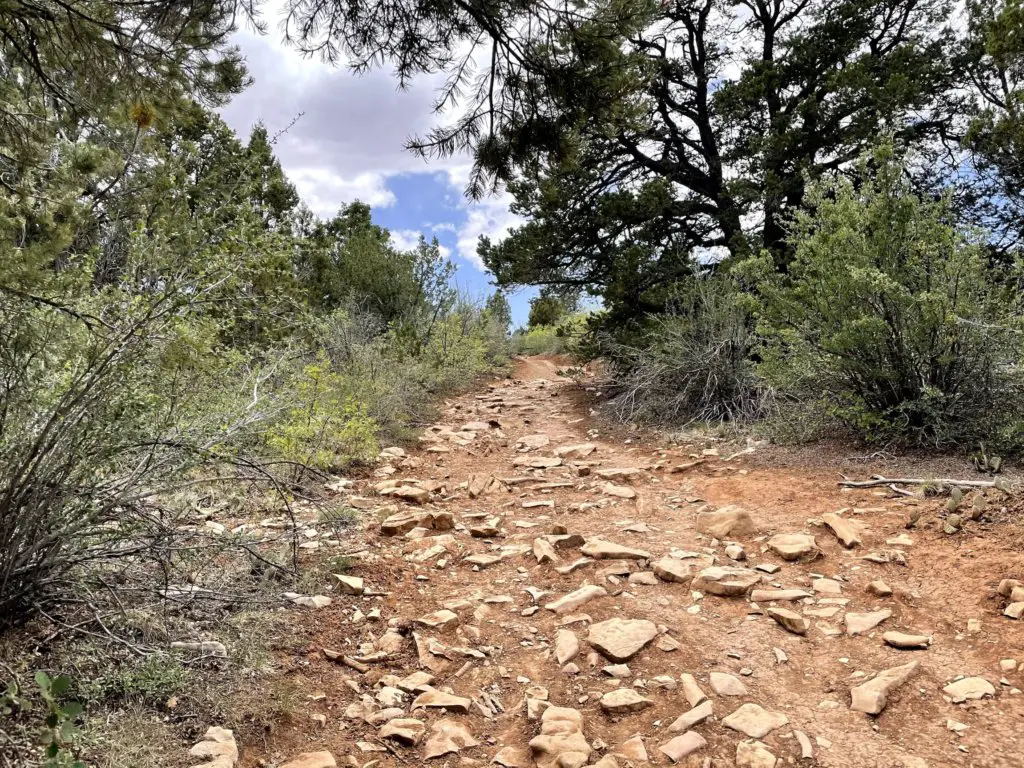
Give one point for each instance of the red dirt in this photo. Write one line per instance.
(947, 581)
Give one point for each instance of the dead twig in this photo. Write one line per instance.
(877, 481)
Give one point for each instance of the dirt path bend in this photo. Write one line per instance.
(537, 594)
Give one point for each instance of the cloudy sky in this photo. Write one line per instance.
(347, 143)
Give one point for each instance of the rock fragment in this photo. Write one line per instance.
(859, 623)
(218, 745)
(725, 522)
(687, 720)
(561, 743)
(843, 529)
(673, 570)
(566, 646)
(621, 639)
(905, 641)
(623, 701)
(969, 688)
(793, 546)
(725, 581)
(568, 603)
(682, 746)
(447, 736)
(790, 620)
(751, 753)
(873, 696)
(599, 549)
(405, 730)
(727, 685)
(754, 721)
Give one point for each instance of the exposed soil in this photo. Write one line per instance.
(946, 581)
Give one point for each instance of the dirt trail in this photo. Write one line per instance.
(493, 643)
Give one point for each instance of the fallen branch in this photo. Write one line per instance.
(876, 481)
(901, 491)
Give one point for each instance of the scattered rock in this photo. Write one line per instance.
(575, 451)
(844, 529)
(736, 552)
(349, 585)
(827, 587)
(513, 757)
(673, 570)
(544, 551)
(793, 546)
(725, 522)
(620, 491)
(682, 746)
(727, 685)
(538, 462)
(435, 699)
(879, 589)
(621, 639)
(725, 581)
(871, 697)
(691, 691)
(969, 688)
(633, 749)
(404, 730)
(790, 620)
(218, 745)
(1006, 587)
(561, 743)
(488, 528)
(859, 623)
(573, 600)
(442, 618)
(909, 642)
(754, 721)
(687, 720)
(623, 701)
(617, 473)
(566, 646)
(806, 750)
(751, 753)
(447, 736)
(778, 595)
(599, 549)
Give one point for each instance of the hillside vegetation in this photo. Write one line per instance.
(805, 215)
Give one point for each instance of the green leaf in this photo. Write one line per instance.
(60, 685)
(43, 680)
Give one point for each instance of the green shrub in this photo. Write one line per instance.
(326, 426)
(891, 316)
(562, 338)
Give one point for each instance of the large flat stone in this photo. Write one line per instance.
(621, 639)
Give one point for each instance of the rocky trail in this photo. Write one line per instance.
(529, 592)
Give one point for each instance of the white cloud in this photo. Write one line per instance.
(405, 239)
(324, 191)
(351, 135)
(349, 130)
(490, 216)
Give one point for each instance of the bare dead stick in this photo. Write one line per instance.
(919, 481)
